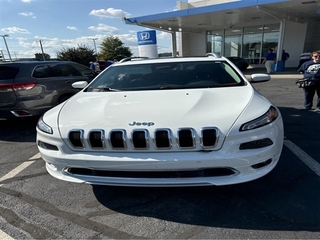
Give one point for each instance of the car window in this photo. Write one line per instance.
(43, 71)
(87, 72)
(171, 75)
(62, 70)
(8, 72)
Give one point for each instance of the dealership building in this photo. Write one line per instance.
(242, 28)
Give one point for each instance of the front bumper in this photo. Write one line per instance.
(166, 168)
(242, 167)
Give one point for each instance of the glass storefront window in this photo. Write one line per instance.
(252, 39)
(270, 38)
(251, 43)
(232, 46)
(215, 42)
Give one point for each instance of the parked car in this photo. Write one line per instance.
(191, 121)
(241, 63)
(29, 88)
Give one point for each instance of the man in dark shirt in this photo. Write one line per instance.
(269, 59)
(311, 69)
(285, 56)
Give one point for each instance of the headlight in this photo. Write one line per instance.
(271, 115)
(44, 127)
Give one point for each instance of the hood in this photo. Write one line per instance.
(195, 108)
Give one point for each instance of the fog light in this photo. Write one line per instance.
(256, 144)
(47, 146)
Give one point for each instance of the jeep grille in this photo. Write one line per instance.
(140, 139)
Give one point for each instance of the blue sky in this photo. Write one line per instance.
(60, 24)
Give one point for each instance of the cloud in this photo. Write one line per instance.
(26, 1)
(104, 28)
(14, 30)
(109, 13)
(27, 14)
(164, 35)
(72, 28)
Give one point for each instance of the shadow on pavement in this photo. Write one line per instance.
(18, 130)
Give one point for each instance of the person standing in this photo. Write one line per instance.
(304, 57)
(285, 56)
(92, 66)
(269, 59)
(311, 69)
(95, 66)
(107, 63)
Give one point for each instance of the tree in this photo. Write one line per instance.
(39, 56)
(82, 54)
(112, 48)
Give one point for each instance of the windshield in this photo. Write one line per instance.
(169, 75)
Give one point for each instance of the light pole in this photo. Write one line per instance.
(5, 42)
(40, 41)
(94, 42)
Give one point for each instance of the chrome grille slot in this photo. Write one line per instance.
(186, 138)
(209, 137)
(163, 139)
(140, 138)
(117, 139)
(96, 139)
(76, 138)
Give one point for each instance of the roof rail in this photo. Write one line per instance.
(213, 55)
(131, 58)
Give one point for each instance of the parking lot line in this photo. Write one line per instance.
(19, 169)
(4, 236)
(15, 171)
(303, 156)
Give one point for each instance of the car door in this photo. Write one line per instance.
(66, 75)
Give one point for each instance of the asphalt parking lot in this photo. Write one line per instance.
(282, 205)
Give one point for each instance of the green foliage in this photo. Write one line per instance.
(39, 56)
(112, 48)
(82, 54)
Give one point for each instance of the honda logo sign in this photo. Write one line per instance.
(147, 37)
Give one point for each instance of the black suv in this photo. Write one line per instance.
(30, 88)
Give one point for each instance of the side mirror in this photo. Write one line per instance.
(260, 77)
(80, 84)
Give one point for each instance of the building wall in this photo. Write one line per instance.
(297, 36)
(294, 41)
(312, 42)
(194, 44)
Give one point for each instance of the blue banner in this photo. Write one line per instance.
(147, 37)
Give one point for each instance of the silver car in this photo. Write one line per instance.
(30, 88)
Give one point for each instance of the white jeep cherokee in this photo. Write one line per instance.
(192, 121)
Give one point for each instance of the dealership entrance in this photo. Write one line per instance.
(251, 43)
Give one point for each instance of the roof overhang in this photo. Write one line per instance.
(237, 14)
